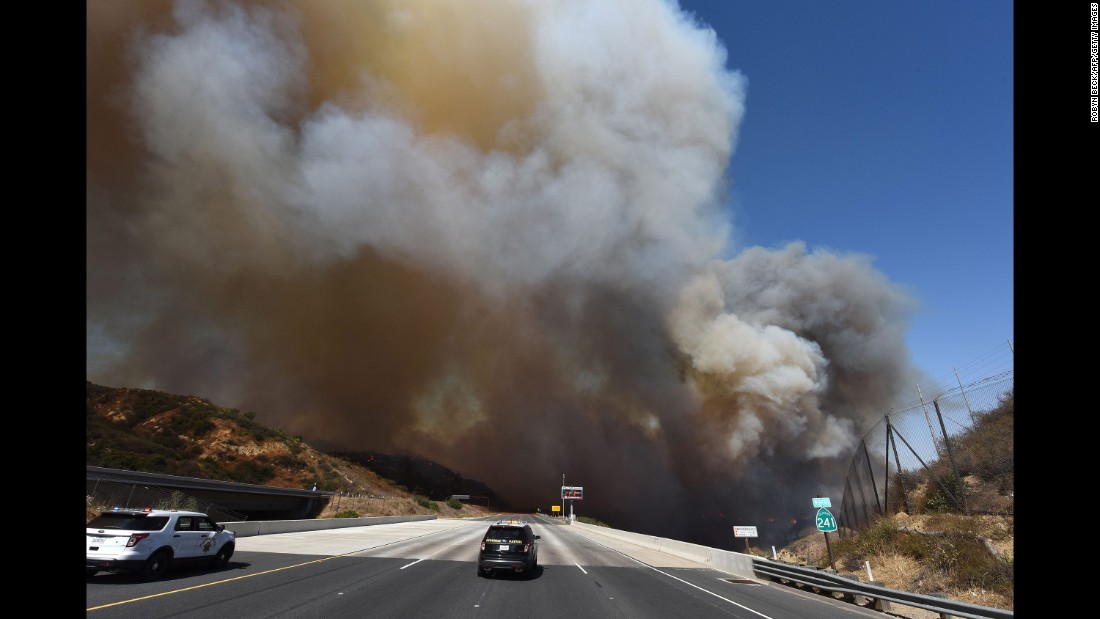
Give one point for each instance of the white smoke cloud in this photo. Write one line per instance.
(624, 150)
(436, 229)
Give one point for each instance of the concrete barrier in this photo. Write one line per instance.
(727, 561)
(736, 563)
(271, 527)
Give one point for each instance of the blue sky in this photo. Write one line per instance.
(885, 129)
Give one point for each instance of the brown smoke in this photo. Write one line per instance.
(486, 232)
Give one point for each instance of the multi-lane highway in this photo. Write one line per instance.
(427, 569)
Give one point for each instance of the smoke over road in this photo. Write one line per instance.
(491, 233)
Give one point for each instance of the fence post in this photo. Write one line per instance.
(886, 478)
(871, 470)
(965, 399)
(945, 489)
(928, 419)
(892, 442)
(951, 457)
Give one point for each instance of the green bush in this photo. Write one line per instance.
(986, 449)
(191, 420)
(146, 404)
(940, 501)
(290, 462)
(881, 538)
(252, 472)
(454, 503)
(424, 502)
(178, 500)
(347, 513)
(395, 484)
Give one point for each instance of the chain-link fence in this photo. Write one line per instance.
(949, 453)
(105, 494)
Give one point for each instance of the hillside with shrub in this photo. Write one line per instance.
(946, 534)
(156, 432)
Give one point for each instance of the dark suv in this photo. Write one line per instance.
(508, 545)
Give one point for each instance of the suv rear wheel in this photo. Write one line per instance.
(155, 566)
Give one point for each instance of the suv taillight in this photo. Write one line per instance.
(483, 546)
(135, 538)
(527, 547)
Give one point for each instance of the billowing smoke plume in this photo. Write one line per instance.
(488, 232)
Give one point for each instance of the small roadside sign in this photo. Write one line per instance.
(555, 508)
(744, 532)
(826, 523)
(825, 520)
(822, 502)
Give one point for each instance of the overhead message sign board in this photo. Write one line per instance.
(572, 493)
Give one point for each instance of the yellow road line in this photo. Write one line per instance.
(210, 584)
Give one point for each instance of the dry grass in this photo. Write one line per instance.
(921, 554)
(397, 506)
(998, 530)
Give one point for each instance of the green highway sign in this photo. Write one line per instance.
(822, 502)
(825, 520)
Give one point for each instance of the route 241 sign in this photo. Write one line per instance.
(825, 520)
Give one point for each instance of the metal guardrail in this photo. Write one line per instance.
(833, 583)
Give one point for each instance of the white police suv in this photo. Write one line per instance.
(146, 541)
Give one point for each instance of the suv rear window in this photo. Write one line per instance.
(128, 522)
(495, 534)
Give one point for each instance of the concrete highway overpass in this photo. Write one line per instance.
(224, 500)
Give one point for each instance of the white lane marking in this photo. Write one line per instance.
(579, 566)
(705, 591)
(478, 605)
(431, 556)
(675, 577)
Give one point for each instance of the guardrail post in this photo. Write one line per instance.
(851, 597)
(879, 603)
(943, 596)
